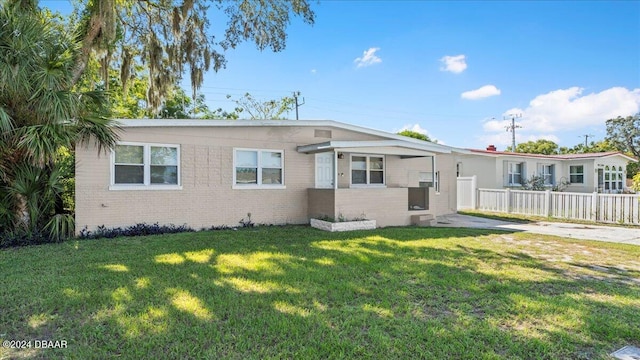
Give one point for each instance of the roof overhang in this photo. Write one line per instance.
(382, 147)
(558, 157)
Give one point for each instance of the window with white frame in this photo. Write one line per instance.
(548, 173)
(430, 179)
(367, 170)
(515, 173)
(576, 174)
(613, 178)
(148, 165)
(255, 167)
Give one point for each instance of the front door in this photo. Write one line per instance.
(324, 170)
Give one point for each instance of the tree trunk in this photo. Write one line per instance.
(96, 24)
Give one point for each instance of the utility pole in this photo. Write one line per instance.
(295, 97)
(513, 128)
(586, 137)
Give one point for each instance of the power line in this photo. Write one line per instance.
(513, 128)
(295, 96)
(586, 138)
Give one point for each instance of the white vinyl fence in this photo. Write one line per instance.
(466, 192)
(608, 208)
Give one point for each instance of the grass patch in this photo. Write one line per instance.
(297, 292)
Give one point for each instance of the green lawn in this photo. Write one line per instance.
(296, 292)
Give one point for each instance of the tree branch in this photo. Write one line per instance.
(95, 27)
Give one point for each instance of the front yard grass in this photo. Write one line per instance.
(297, 292)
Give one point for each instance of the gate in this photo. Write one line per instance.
(466, 192)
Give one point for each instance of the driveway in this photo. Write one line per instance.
(575, 231)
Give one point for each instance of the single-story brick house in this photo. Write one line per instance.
(603, 172)
(213, 172)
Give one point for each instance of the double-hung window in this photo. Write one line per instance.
(576, 174)
(258, 168)
(149, 166)
(367, 170)
(547, 172)
(515, 173)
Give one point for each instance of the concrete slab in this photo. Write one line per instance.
(623, 235)
(627, 353)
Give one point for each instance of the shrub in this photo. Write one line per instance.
(141, 229)
(636, 182)
(23, 238)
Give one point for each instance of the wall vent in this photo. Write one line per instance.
(322, 133)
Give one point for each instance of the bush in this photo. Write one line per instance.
(141, 229)
(636, 182)
(23, 238)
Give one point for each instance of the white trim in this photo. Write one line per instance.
(259, 184)
(558, 157)
(335, 170)
(144, 187)
(552, 174)
(583, 173)
(383, 147)
(368, 170)
(138, 123)
(509, 173)
(258, 187)
(146, 164)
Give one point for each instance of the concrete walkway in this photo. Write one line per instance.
(623, 235)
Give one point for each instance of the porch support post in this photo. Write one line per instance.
(335, 169)
(433, 171)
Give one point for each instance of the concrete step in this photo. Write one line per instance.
(423, 220)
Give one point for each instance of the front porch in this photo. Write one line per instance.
(389, 206)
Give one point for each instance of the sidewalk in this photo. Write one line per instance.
(622, 235)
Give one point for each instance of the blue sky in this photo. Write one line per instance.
(452, 69)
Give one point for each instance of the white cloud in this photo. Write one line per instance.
(455, 64)
(550, 115)
(483, 92)
(568, 109)
(368, 58)
(419, 129)
(314, 71)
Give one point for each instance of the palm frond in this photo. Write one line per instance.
(41, 142)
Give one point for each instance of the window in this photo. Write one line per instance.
(515, 173)
(576, 174)
(427, 179)
(613, 178)
(145, 165)
(258, 168)
(367, 170)
(547, 172)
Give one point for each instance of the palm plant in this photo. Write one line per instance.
(39, 113)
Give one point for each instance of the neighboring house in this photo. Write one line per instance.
(211, 172)
(591, 172)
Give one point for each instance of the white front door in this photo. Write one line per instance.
(324, 170)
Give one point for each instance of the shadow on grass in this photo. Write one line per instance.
(296, 292)
(522, 219)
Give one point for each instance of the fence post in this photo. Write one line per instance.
(547, 203)
(594, 206)
(508, 200)
(474, 192)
